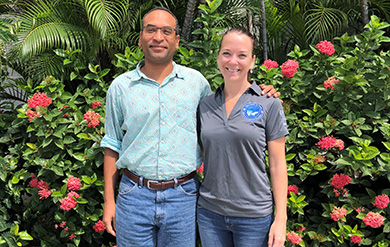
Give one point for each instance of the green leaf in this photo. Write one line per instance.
(73, 76)
(69, 140)
(57, 194)
(25, 236)
(32, 146)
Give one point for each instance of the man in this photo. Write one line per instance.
(151, 135)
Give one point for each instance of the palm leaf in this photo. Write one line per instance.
(323, 23)
(105, 16)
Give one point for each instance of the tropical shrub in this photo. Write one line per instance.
(52, 180)
(336, 100)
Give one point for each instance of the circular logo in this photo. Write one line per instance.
(252, 111)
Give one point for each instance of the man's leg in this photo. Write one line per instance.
(175, 215)
(135, 215)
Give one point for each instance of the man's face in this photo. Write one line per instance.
(159, 46)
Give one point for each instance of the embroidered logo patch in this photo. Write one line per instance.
(252, 111)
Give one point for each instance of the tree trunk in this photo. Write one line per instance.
(364, 7)
(188, 20)
(264, 30)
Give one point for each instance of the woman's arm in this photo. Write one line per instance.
(278, 171)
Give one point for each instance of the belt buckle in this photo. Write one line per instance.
(151, 182)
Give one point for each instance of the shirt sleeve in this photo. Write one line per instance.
(206, 90)
(276, 125)
(114, 120)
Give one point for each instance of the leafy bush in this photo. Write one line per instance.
(337, 108)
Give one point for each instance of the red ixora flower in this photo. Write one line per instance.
(32, 114)
(329, 83)
(72, 236)
(301, 228)
(374, 220)
(44, 193)
(39, 99)
(328, 142)
(325, 47)
(319, 158)
(69, 202)
(99, 226)
(289, 68)
(200, 169)
(73, 183)
(339, 181)
(356, 239)
(92, 118)
(96, 104)
(294, 237)
(270, 64)
(381, 201)
(338, 213)
(292, 189)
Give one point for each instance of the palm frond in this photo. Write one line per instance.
(43, 28)
(105, 16)
(324, 23)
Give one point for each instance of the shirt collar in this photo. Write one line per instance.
(253, 88)
(176, 72)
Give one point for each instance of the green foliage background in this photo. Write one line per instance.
(357, 111)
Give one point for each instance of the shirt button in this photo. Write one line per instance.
(163, 122)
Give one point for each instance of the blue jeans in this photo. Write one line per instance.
(161, 218)
(223, 231)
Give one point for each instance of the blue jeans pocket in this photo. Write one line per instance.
(190, 187)
(126, 186)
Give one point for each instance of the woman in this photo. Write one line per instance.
(237, 124)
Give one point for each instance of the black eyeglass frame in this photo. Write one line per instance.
(161, 28)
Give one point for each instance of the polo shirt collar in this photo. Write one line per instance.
(176, 72)
(253, 88)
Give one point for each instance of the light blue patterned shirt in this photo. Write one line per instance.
(153, 126)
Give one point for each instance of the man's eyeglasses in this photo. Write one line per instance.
(151, 29)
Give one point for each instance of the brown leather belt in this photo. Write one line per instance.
(159, 185)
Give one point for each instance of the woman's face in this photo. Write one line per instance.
(235, 57)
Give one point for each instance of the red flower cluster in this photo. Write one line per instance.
(338, 182)
(62, 225)
(69, 202)
(73, 183)
(289, 68)
(374, 220)
(92, 118)
(292, 189)
(328, 142)
(99, 226)
(356, 239)
(44, 189)
(270, 64)
(319, 159)
(301, 228)
(96, 104)
(328, 83)
(72, 236)
(200, 169)
(294, 237)
(325, 47)
(359, 210)
(39, 99)
(338, 213)
(381, 201)
(32, 114)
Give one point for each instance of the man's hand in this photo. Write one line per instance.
(269, 90)
(109, 218)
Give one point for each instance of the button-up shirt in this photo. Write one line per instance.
(153, 126)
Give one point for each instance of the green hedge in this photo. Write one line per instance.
(51, 173)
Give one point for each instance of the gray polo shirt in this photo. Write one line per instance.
(236, 181)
